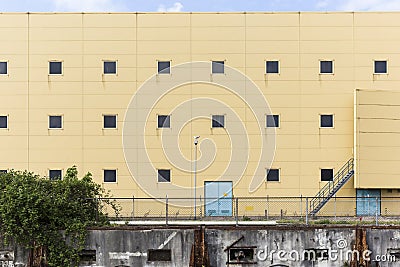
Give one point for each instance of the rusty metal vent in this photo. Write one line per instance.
(159, 255)
(87, 257)
(241, 255)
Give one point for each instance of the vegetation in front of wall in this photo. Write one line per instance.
(50, 217)
(246, 218)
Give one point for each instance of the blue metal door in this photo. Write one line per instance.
(368, 202)
(218, 198)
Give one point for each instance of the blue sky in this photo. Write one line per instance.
(198, 5)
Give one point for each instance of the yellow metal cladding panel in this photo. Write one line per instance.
(167, 34)
(55, 33)
(272, 19)
(377, 138)
(374, 19)
(51, 20)
(213, 19)
(116, 33)
(163, 20)
(331, 19)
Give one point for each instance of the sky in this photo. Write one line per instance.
(195, 5)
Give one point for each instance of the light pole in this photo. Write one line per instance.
(196, 141)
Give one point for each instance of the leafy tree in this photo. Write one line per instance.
(50, 217)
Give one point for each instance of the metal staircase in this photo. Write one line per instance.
(331, 188)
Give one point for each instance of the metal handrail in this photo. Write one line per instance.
(330, 186)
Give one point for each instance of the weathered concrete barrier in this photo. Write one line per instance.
(217, 246)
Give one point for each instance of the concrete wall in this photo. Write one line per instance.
(130, 246)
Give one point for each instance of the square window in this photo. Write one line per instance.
(110, 121)
(55, 122)
(3, 68)
(218, 121)
(164, 67)
(159, 255)
(327, 175)
(55, 175)
(380, 67)
(273, 175)
(272, 66)
(110, 67)
(326, 121)
(326, 67)
(55, 67)
(164, 121)
(164, 176)
(272, 120)
(218, 67)
(110, 176)
(4, 122)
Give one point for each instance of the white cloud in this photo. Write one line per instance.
(371, 5)
(322, 4)
(176, 7)
(85, 5)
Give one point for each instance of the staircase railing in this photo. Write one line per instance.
(320, 199)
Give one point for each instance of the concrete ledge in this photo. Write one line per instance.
(162, 222)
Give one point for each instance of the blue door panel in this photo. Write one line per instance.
(218, 198)
(368, 202)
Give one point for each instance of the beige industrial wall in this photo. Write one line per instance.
(299, 94)
(377, 137)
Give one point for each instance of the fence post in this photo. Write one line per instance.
(306, 210)
(301, 206)
(166, 210)
(97, 209)
(237, 211)
(201, 208)
(133, 207)
(376, 212)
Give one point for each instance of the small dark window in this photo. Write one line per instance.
(164, 176)
(55, 175)
(164, 121)
(272, 67)
(326, 121)
(273, 175)
(87, 257)
(3, 122)
(218, 121)
(3, 68)
(110, 176)
(380, 67)
(164, 67)
(241, 255)
(55, 67)
(272, 120)
(326, 67)
(159, 255)
(218, 66)
(110, 67)
(55, 122)
(3, 171)
(110, 121)
(327, 175)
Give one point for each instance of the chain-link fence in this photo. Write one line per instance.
(306, 210)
